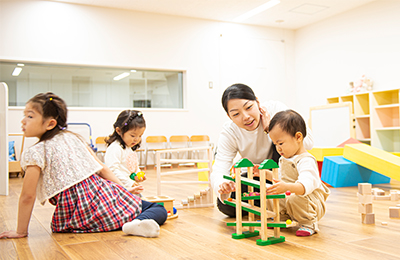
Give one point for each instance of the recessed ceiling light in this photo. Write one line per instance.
(16, 71)
(121, 76)
(256, 10)
(20, 64)
(308, 9)
(133, 70)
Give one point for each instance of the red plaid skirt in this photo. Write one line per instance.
(94, 205)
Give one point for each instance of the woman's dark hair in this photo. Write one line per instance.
(237, 91)
(126, 120)
(50, 105)
(290, 121)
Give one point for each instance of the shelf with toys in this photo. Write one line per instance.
(376, 116)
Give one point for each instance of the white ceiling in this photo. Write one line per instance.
(294, 13)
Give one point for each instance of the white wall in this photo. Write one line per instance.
(331, 53)
(223, 53)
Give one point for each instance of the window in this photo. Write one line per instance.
(83, 86)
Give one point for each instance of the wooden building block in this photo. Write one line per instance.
(374, 159)
(368, 218)
(364, 199)
(394, 212)
(340, 172)
(378, 192)
(320, 153)
(349, 141)
(364, 188)
(394, 196)
(384, 197)
(365, 208)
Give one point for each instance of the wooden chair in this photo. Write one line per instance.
(180, 141)
(198, 140)
(101, 147)
(15, 166)
(153, 144)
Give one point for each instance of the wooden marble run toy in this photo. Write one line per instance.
(254, 210)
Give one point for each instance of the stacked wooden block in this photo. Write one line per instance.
(365, 203)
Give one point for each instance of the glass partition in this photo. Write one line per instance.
(82, 86)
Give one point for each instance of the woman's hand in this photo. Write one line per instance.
(226, 187)
(265, 118)
(256, 171)
(12, 234)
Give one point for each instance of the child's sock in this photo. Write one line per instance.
(144, 228)
(304, 231)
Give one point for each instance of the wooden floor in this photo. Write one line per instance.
(203, 234)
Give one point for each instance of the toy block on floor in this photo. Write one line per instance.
(364, 188)
(378, 192)
(340, 172)
(364, 198)
(364, 195)
(349, 141)
(374, 159)
(368, 218)
(394, 212)
(320, 153)
(382, 197)
(365, 208)
(394, 195)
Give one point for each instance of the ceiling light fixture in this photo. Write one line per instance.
(121, 76)
(20, 64)
(256, 10)
(133, 70)
(16, 71)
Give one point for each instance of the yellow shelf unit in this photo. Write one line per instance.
(377, 117)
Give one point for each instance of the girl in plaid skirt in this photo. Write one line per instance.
(63, 169)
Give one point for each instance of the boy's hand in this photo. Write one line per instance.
(136, 189)
(226, 187)
(12, 234)
(278, 188)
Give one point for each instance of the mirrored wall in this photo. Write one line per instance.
(82, 86)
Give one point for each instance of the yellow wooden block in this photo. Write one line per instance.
(320, 153)
(394, 153)
(374, 159)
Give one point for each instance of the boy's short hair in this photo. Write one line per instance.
(290, 121)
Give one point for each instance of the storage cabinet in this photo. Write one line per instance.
(376, 115)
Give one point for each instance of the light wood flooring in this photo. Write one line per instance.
(202, 233)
